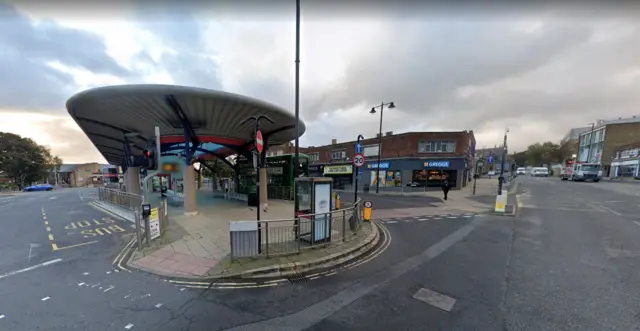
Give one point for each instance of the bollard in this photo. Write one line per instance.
(367, 211)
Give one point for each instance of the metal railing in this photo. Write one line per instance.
(119, 198)
(291, 236)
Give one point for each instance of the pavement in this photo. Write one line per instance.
(567, 261)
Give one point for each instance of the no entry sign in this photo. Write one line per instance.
(259, 142)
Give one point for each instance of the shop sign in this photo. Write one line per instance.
(374, 165)
(345, 169)
(436, 164)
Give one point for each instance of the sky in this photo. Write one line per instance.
(537, 71)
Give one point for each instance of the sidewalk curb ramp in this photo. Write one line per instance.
(278, 270)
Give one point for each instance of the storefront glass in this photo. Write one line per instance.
(342, 175)
(434, 178)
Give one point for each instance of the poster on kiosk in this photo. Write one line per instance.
(313, 196)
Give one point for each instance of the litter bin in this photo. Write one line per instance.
(252, 199)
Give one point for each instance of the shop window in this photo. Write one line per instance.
(393, 178)
(436, 147)
(434, 178)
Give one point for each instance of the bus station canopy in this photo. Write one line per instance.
(108, 114)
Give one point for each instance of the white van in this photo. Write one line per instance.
(540, 172)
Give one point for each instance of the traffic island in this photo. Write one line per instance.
(187, 267)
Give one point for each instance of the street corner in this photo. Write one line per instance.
(280, 275)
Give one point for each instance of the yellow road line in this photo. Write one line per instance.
(73, 246)
(50, 237)
(383, 248)
(207, 283)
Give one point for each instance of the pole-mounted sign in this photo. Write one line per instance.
(259, 141)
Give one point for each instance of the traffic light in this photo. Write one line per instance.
(150, 153)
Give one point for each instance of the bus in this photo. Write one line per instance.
(280, 175)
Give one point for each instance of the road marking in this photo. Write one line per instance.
(80, 284)
(45, 298)
(158, 305)
(29, 268)
(1, 317)
(56, 248)
(407, 221)
(128, 326)
(85, 273)
(637, 223)
(438, 218)
(422, 219)
(609, 210)
(50, 237)
(109, 289)
(435, 299)
(48, 229)
(391, 222)
(46, 222)
(331, 273)
(357, 289)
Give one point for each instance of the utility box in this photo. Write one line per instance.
(244, 240)
(313, 202)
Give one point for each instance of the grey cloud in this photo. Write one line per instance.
(77, 147)
(32, 85)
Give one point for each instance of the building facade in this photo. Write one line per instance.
(422, 158)
(570, 143)
(626, 162)
(81, 175)
(601, 144)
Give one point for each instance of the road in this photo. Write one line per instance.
(568, 261)
(391, 201)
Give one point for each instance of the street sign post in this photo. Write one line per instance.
(358, 160)
(259, 141)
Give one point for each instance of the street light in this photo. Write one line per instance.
(389, 105)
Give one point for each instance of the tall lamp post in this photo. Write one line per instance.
(297, 109)
(389, 105)
(590, 142)
(504, 158)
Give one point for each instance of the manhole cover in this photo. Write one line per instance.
(298, 279)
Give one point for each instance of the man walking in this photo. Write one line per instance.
(226, 189)
(445, 188)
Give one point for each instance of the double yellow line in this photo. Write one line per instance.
(54, 246)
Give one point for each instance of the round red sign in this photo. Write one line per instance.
(259, 142)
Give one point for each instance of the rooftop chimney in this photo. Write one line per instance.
(334, 141)
(389, 133)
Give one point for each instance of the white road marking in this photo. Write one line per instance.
(158, 305)
(128, 295)
(435, 299)
(438, 218)
(182, 289)
(128, 326)
(108, 272)
(391, 222)
(466, 216)
(407, 221)
(45, 298)
(53, 198)
(110, 288)
(11, 273)
(452, 217)
(423, 219)
(85, 273)
(609, 210)
(637, 223)
(95, 285)
(1, 317)
(80, 284)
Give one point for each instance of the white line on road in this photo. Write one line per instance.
(158, 305)
(110, 288)
(80, 284)
(609, 210)
(391, 222)
(45, 298)
(129, 326)
(29, 268)
(435, 299)
(1, 317)
(637, 223)
(423, 219)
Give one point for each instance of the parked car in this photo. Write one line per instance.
(586, 171)
(521, 171)
(38, 187)
(540, 172)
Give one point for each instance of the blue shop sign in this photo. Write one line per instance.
(383, 165)
(436, 164)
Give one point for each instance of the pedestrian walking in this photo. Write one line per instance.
(226, 189)
(445, 188)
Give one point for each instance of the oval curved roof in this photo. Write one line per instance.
(106, 114)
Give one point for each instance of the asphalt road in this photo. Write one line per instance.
(391, 201)
(567, 262)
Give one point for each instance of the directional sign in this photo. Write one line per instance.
(259, 142)
(358, 160)
(367, 204)
(358, 148)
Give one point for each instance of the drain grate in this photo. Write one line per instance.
(298, 278)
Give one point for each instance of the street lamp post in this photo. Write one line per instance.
(590, 142)
(504, 157)
(297, 107)
(389, 105)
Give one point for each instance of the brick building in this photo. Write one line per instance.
(424, 158)
(601, 144)
(626, 162)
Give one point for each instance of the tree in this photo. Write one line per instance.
(23, 160)
(545, 153)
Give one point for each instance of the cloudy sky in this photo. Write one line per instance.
(537, 71)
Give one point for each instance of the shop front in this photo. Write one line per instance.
(342, 175)
(316, 170)
(417, 172)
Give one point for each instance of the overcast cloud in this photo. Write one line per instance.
(538, 74)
